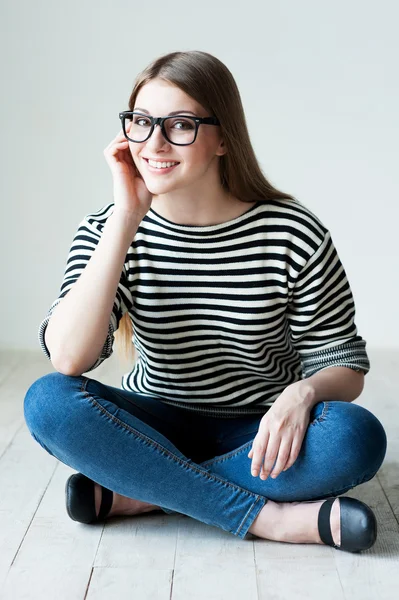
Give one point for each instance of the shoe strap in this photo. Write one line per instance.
(106, 502)
(324, 522)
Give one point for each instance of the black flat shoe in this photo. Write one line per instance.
(80, 500)
(358, 525)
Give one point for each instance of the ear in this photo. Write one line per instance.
(221, 149)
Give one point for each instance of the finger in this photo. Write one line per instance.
(121, 135)
(283, 455)
(295, 450)
(271, 455)
(115, 148)
(258, 454)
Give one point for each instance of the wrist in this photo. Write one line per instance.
(129, 221)
(306, 392)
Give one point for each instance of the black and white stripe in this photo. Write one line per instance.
(226, 316)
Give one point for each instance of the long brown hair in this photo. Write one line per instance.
(206, 79)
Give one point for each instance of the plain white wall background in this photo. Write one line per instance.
(319, 85)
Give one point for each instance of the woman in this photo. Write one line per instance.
(248, 354)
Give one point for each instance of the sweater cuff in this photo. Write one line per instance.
(349, 354)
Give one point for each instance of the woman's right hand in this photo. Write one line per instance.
(131, 195)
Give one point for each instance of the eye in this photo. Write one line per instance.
(184, 124)
(137, 120)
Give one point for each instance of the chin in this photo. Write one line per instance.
(160, 187)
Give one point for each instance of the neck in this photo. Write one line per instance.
(201, 210)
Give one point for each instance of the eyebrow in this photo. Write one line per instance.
(175, 112)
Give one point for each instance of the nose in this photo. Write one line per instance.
(156, 139)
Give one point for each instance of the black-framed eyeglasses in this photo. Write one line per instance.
(180, 130)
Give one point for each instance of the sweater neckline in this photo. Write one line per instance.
(184, 227)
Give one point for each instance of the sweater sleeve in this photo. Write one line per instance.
(321, 315)
(83, 245)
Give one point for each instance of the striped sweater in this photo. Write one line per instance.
(226, 316)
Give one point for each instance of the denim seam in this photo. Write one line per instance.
(249, 512)
(322, 417)
(229, 454)
(162, 448)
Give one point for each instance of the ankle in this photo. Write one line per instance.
(295, 522)
(122, 505)
(268, 522)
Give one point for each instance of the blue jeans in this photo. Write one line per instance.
(194, 464)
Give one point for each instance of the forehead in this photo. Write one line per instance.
(161, 97)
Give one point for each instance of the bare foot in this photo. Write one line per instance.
(122, 505)
(295, 522)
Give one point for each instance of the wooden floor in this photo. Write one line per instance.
(45, 555)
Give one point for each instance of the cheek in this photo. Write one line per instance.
(197, 158)
(138, 161)
(134, 151)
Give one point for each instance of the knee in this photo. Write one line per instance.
(367, 438)
(45, 400)
(377, 442)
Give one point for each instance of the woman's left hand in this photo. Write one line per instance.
(281, 432)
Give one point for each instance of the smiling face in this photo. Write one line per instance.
(198, 162)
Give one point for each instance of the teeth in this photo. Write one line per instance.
(161, 165)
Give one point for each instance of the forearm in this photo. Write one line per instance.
(78, 327)
(334, 383)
